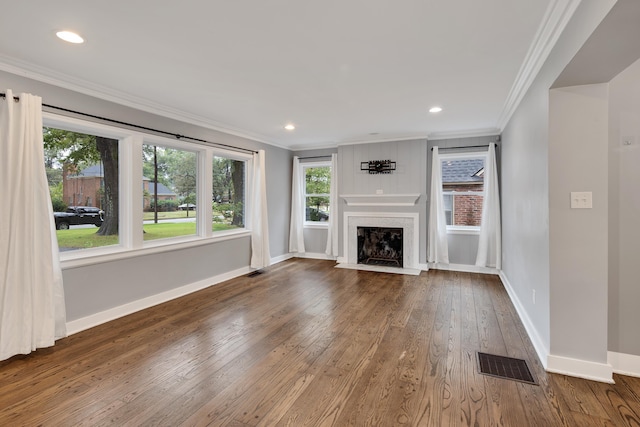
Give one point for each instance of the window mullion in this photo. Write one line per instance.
(131, 194)
(205, 191)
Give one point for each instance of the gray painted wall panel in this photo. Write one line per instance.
(578, 146)
(525, 193)
(624, 211)
(409, 177)
(95, 288)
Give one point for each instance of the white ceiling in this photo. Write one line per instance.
(340, 70)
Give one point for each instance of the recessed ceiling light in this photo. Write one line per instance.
(435, 109)
(289, 127)
(70, 37)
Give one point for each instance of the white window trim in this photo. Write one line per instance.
(303, 167)
(131, 241)
(463, 229)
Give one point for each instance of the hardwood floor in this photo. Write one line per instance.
(306, 344)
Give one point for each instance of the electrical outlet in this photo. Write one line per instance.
(379, 191)
(534, 296)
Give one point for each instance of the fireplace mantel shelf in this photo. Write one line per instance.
(380, 199)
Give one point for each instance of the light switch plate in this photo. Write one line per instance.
(581, 200)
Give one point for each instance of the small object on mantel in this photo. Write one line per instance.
(378, 166)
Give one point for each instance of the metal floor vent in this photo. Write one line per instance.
(505, 367)
(255, 273)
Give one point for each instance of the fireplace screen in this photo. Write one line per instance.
(380, 246)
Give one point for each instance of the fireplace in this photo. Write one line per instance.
(392, 237)
(380, 246)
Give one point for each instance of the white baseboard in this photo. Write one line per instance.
(624, 364)
(96, 319)
(538, 344)
(588, 370)
(466, 268)
(281, 258)
(557, 364)
(314, 255)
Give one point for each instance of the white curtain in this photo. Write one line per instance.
(332, 233)
(260, 255)
(490, 245)
(437, 246)
(296, 228)
(32, 310)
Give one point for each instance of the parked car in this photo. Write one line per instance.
(78, 215)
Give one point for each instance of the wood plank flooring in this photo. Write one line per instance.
(306, 344)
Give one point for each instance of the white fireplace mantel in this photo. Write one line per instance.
(408, 221)
(381, 199)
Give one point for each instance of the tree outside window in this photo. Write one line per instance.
(317, 191)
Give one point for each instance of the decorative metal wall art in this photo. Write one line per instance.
(378, 166)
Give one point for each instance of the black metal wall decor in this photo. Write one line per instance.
(378, 166)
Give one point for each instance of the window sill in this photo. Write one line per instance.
(317, 225)
(114, 253)
(463, 230)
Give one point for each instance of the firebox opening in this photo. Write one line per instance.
(380, 246)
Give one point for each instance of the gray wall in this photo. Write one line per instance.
(578, 145)
(526, 208)
(99, 287)
(463, 248)
(409, 177)
(624, 211)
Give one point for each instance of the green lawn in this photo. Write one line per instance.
(83, 238)
(148, 216)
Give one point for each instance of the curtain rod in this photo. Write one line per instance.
(314, 157)
(468, 146)
(162, 132)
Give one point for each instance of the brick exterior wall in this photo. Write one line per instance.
(467, 210)
(82, 191)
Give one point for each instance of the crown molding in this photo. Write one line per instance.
(44, 75)
(464, 134)
(553, 24)
(390, 139)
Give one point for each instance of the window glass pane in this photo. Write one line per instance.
(317, 208)
(318, 180)
(467, 210)
(459, 178)
(228, 193)
(317, 190)
(448, 208)
(82, 171)
(169, 192)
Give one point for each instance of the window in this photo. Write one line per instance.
(169, 192)
(463, 190)
(228, 193)
(317, 188)
(147, 191)
(82, 172)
